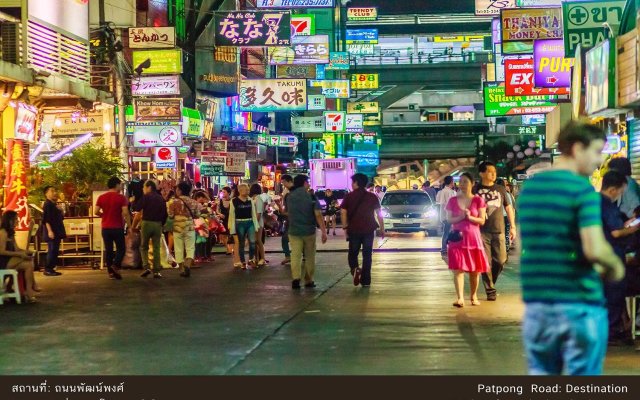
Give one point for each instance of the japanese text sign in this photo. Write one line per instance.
(360, 49)
(157, 135)
(527, 24)
(364, 81)
(497, 103)
(267, 95)
(492, 7)
(339, 60)
(248, 28)
(362, 36)
(150, 37)
(295, 3)
(552, 69)
(158, 110)
(519, 80)
(583, 22)
(364, 137)
(333, 89)
(335, 121)
(166, 157)
(303, 25)
(296, 71)
(317, 102)
(307, 124)
(311, 49)
(354, 123)
(162, 61)
(15, 183)
(363, 107)
(362, 14)
(155, 85)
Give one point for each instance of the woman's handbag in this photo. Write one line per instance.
(455, 236)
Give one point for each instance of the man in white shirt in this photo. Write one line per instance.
(442, 199)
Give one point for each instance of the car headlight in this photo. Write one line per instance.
(431, 214)
(386, 214)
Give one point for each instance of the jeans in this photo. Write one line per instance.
(53, 250)
(569, 338)
(356, 241)
(616, 292)
(446, 228)
(184, 242)
(303, 245)
(496, 250)
(109, 237)
(246, 229)
(285, 243)
(151, 230)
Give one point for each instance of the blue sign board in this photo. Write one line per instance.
(362, 36)
(365, 158)
(339, 61)
(320, 71)
(534, 119)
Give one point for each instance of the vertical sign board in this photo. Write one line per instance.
(493, 7)
(583, 22)
(268, 95)
(253, 28)
(552, 69)
(529, 24)
(16, 181)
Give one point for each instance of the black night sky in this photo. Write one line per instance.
(417, 6)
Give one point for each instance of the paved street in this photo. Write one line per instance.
(223, 321)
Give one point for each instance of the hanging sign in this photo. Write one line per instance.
(236, 163)
(333, 89)
(362, 36)
(335, 121)
(584, 22)
(155, 85)
(303, 25)
(154, 136)
(151, 37)
(528, 24)
(253, 28)
(492, 7)
(162, 61)
(519, 80)
(364, 81)
(362, 14)
(16, 181)
(307, 124)
(316, 102)
(294, 3)
(154, 110)
(354, 123)
(552, 69)
(166, 157)
(497, 103)
(210, 169)
(339, 60)
(266, 95)
(363, 107)
(25, 126)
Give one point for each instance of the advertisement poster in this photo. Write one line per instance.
(253, 28)
(16, 181)
(598, 79)
(583, 22)
(519, 81)
(267, 95)
(552, 69)
(162, 61)
(158, 110)
(497, 103)
(493, 7)
(26, 116)
(155, 85)
(151, 37)
(528, 24)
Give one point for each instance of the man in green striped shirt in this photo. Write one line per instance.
(564, 257)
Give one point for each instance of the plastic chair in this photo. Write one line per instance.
(16, 286)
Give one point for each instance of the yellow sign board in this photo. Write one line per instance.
(161, 61)
(363, 107)
(365, 81)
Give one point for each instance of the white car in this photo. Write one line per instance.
(410, 211)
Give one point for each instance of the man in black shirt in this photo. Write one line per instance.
(154, 214)
(53, 229)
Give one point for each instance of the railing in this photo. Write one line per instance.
(11, 42)
(432, 58)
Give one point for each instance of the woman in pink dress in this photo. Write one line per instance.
(466, 213)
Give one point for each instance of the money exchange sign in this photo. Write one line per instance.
(527, 24)
(583, 22)
(259, 28)
(497, 103)
(266, 95)
(519, 81)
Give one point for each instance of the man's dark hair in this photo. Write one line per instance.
(426, 184)
(287, 178)
(227, 189)
(622, 165)
(46, 189)
(578, 132)
(151, 184)
(198, 185)
(361, 180)
(448, 180)
(484, 165)
(300, 180)
(613, 179)
(500, 182)
(265, 190)
(185, 188)
(199, 195)
(113, 182)
(255, 190)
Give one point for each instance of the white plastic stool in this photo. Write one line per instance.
(633, 309)
(16, 291)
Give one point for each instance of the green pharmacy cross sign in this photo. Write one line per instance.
(497, 104)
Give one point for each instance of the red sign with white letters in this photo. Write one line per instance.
(519, 80)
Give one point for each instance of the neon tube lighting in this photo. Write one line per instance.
(36, 152)
(80, 141)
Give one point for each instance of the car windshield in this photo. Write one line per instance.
(406, 199)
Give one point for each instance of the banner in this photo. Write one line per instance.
(25, 126)
(552, 69)
(267, 95)
(253, 28)
(583, 22)
(155, 85)
(150, 37)
(528, 24)
(497, 103)
(493, 7)
(158, 110)
(16, 181)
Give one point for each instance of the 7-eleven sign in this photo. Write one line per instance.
(303, 25)
(335, 121)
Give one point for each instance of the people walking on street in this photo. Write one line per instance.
(113, 208)
(330, 210)
(618, 234)
(426, 187)
(243, 225)
(304, 215)
(53, 229)
(153, 214)
(564, 254)
(183, 210)
(359, 211)
(493, 231)
(287, 183)
(255, 192)
(377, 190)
(507, 224)
(224, 205)
(12, 257)
(466, 213)
(630, 199)
(442, 198)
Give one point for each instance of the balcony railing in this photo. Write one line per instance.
(11, 42)
(431, 58)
